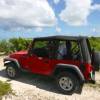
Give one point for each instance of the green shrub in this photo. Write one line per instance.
(4, 46)
(18, 44)
(95, 43)
(14, 44)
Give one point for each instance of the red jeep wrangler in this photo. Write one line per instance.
(68, 59)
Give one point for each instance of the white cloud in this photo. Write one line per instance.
(58, 29)
(26, 13)
(96, 30)
(56, 1)
(76, 12)
(38, 29)
(95, 7)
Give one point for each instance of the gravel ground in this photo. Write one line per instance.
(35, 87)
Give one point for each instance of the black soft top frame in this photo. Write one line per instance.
(61, 38)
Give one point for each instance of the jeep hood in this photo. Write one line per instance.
(18, 54)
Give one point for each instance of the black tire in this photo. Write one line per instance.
(13, 67)
(72, 83)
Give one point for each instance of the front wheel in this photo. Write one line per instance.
(12, 71)
(66, 82)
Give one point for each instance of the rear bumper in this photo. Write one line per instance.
(92, 75)
(92, 78)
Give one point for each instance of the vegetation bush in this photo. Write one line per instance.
(14, 44)
(18, 44)
(4, 46)
(95, 43)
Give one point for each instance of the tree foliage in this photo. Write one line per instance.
(95, 43)
(14, 44)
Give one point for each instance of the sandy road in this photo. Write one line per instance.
(34, 87)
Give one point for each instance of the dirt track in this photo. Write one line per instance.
(33, 87)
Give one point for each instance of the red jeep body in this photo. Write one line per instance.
(82, 67)
(46, 66)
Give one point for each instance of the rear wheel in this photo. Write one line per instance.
(12, 71)
(66, 82)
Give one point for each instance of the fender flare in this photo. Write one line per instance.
(73, 67)
(9, 60)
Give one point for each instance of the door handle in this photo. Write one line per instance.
(44, 60)
(40, 58)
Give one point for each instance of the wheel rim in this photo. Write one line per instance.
(66, 83)
(11, 71)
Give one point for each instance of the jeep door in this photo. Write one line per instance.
(39, 61)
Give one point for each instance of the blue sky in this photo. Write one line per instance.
(49, 17)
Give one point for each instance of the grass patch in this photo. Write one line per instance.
(5, 88)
